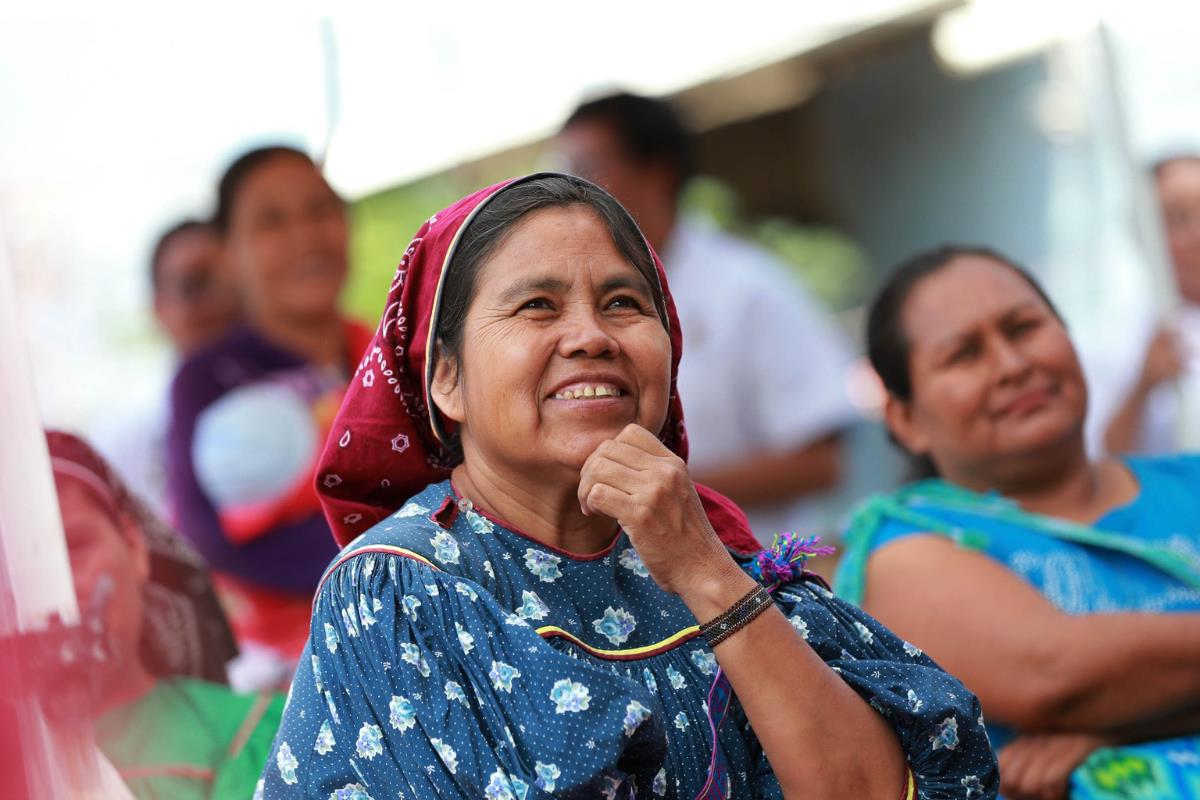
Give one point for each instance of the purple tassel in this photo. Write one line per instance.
(785, 559)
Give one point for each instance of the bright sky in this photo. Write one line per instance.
(116, 124)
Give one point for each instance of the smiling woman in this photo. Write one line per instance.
(250, 411)
(518, 614)
(1065, 592)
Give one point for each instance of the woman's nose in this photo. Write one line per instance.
(586, 334)
(1011, 363)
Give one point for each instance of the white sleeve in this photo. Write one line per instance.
(794, 366)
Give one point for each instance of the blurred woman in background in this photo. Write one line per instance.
(154, 690)
(250, 412)
(1065, 592)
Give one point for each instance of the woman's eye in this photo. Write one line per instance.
(1024, 326)
(964, 353)
(625, 301)
(535, 304)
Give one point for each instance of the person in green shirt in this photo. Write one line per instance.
(157, 698)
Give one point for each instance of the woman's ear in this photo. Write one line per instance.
(446, 388)
(898, 415)
(131, 529)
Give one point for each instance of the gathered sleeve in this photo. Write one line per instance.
(938, 721)
(416, 684)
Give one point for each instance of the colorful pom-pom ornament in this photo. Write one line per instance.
(784, 560)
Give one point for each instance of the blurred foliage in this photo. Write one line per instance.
(826, 261)
(829, 263)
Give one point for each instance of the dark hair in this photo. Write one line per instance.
(164, 241)
(888, 347)
(1160, 166)
(241, 169)
(647, 128)
(493, 223)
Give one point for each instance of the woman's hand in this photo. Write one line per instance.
(646, 488)
(1039, 766)
(1164, 360)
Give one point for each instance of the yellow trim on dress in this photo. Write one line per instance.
(633, 652)
(911, 792)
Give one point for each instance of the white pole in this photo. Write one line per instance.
(34, 567)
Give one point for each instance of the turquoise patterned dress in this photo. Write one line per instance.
(450, 657)
(1143, 557)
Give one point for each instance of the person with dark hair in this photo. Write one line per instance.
(1151, 417)
(250, 411)
(765, 369)
(1064, 591)
(534, 592)
(194, 303)
(156, 696)
(194, 300)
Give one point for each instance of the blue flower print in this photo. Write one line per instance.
(914, 702)
(409, 604)
(454, 691)
(316, 668)
(487, 567)
(258, 789)
(615, 625)
(973, 785)
(431, 589)
(479, 523)
(368, 565)
(401, 713)
(411, 510)
(498, 787)
(370, 741)
(635, 714)
(547, 774)
(350, 620)
(351, 791)
(659, 784)
(465, 640)
(532, 606)
(331, 638)
(445, 548)
(325, 741)
(651, 683)
(799, 624)
(466, 591)
(569, 695)
(677, 681)
(365, 615)
(520, 788)
(543, 564)
(864, 632)
(705, 661)
(411, 654)
(681, 721)
(502, 676)
(287, 764)
(912, 650)
(446, 753)
(630, 560)
(947, 735)
(515, 619)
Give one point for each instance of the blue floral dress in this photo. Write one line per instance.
(450, 657)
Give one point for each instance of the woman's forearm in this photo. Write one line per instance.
(821, 738)
(1124, 429)
(1118, 669)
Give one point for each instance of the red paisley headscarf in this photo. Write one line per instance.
(383, 448)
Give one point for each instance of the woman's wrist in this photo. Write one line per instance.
(714, 590)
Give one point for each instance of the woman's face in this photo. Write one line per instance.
(995, 379)
(287, 241)
(109, 566)
(562, 348)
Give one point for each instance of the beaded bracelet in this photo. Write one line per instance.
(738, 616)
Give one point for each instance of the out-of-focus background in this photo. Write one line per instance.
(843, 136)
(837, 138)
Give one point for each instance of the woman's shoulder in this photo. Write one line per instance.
(1178, 469)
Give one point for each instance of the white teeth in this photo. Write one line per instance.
(588, 391)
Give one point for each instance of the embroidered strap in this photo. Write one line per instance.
(904, 504)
